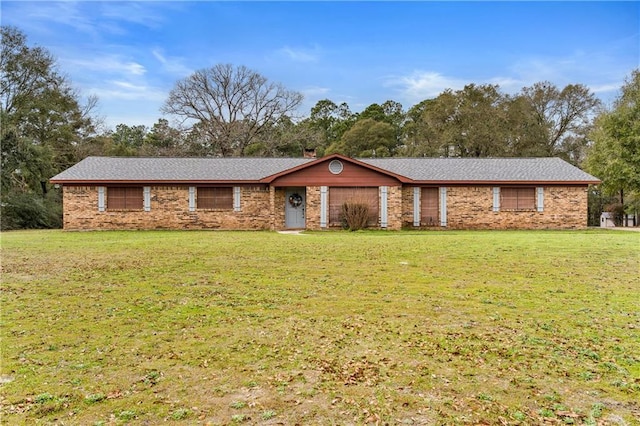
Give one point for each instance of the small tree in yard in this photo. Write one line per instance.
(355, 215)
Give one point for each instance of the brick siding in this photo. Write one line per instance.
(394, 208)
(263, 208)
(169, 210)
(472, 208)
(312, 212)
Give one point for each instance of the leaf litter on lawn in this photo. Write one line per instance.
(337, 328)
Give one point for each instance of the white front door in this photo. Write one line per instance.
(294, 207)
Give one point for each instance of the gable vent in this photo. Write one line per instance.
(336, 167)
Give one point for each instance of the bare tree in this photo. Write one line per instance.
(230, 105)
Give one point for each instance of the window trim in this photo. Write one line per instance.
(236, 199)
(324, 206)
(102, 199)
(443, 206)
(383, 206)
(146, 196)
(540, 198)
(417, 205)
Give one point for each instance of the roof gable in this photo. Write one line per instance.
(336, 170)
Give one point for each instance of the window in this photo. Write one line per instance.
(429, 206)
(336, 167)
(215, 198)
(517, 198)
(124, 198)
(339, 196)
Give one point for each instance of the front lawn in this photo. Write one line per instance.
(320, 328)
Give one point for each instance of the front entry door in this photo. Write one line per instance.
(294, 207)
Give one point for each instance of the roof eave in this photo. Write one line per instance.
(507, 182)
(269, 180)
(153, 182)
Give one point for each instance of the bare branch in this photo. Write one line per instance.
(231, 106)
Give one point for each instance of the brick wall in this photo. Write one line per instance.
(472, 208)
(467, 208)
(277, 206)
(312, 212)
(394, 208)
(169, 210)
(407, 207)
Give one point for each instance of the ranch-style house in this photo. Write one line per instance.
(308, 193)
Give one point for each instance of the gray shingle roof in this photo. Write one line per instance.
(483, 169)
(176, 169)
(253, 169)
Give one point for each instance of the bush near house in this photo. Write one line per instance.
(355, 215)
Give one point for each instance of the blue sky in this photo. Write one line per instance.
(130, 54)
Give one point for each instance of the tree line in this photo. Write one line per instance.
(476, 121)
(231, 110)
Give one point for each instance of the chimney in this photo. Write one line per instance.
(309, 153)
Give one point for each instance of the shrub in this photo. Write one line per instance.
(355, 215)
(30, 211)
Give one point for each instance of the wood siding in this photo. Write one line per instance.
(351, 175)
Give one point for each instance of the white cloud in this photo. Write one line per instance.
(606, 87)
(140, 13)
(171, 65)
(533, 70)
(134, 68)
(117, 89)
(107, 18)
(597, 70)
(421, 85)
(507, 84)
(609, 89)
(578, 68)
(315, 91)
(300, 54)
(34, 14)
(112, 64)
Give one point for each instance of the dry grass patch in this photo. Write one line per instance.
(333, 328)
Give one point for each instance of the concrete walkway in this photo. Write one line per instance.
(291, 232)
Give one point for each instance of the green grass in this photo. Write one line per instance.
(321, 328)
